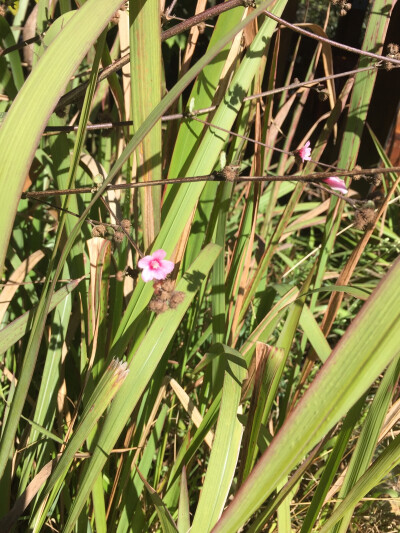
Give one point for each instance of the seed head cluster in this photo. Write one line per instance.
(344, 6)
(165, 297)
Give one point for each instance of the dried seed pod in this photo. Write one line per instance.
(230, 172)
(375, 179)
(357, 176)
(157, 286)
(176, 298)
(158, 306)
(163, 286)
(364, 218)
(98, 230)
(164, 296)
(120, 275)
(168, 285)
(119, 236)
(393, 48)
(126, 224)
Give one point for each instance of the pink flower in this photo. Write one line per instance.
(337, 184)
(155, 266)
(305, 152)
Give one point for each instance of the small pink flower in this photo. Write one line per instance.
(305, 152)
(155, 266)
(337, 184)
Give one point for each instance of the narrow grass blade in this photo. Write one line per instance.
(224, 454)
(166, 521)
(314, 334)
(184, 505)
(332, 465)
(108, 386)
(130, 486)
(145, 42)
(267, 377)
(7, 39)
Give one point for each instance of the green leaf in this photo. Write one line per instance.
(225, 450)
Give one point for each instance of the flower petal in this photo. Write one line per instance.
(337, 184)
(159, 254)
(145, 261)
(167, 266)
(147, 275)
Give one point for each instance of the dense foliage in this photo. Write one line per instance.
(200, 283)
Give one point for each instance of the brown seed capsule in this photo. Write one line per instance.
(393, 48)
(119, 236)
(358, 176)
(168, 285)
(119, 276)
(388, 65)
(163, 288)
(230, 172)
(158, 307)
(364, 218)
(374, 179)
(176, 298)
(126, 224)
(98, 231)
(164, 296)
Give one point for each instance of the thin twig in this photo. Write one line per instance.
(22, 44)
(217, 177)
(329, 41)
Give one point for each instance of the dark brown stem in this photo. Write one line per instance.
(201, 17)
(218, 177)
(18, 46)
